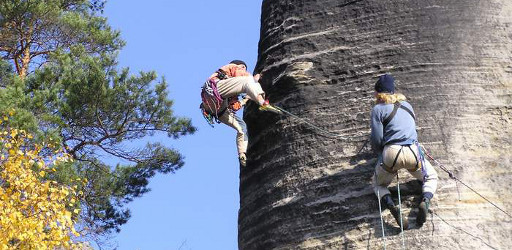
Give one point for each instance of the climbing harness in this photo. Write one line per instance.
(388, 119)
(419, 163)
(390, 169)
(397, 105)
(212, 102)
(442, 167)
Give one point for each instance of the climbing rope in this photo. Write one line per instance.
(381, 221)
(432, 221)
(319, 129)
(400, 210)
(459, 229)
(442, 167)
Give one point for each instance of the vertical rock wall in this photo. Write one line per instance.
(320, 58)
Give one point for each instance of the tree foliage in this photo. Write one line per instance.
(78, 98)
(31, 29)
(35, 213)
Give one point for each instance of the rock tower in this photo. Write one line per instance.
(308, 188)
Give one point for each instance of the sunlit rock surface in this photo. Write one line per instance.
(306, 188)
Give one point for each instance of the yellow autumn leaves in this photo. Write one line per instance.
(34, 212)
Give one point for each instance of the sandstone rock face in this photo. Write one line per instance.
(305, 189)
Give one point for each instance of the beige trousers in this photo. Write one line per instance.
(405, 157)
(229, 118)
(237, 85)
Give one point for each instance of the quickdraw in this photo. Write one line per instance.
(207, 116)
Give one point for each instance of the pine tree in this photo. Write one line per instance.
(30, 30)
(61, 77)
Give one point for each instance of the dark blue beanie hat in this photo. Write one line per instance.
(239, 62)
(385, 84)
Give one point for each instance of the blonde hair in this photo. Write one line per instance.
(389, 98)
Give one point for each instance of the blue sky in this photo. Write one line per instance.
(186, 41)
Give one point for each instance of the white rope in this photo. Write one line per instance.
(381, 220)
(319, 129)
(400, 210)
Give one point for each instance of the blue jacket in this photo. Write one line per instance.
(401, 130)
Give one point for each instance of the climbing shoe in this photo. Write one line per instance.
(242, 159)
(422, 213)
(395, 211)
(387, 201)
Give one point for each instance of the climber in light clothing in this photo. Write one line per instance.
(220, 99)
(394, 139)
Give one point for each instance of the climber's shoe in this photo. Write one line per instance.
(422, 213)
(387, 201)
(242, 158)
(395, 211)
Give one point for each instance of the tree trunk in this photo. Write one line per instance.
(25, 51)
(25, 61)
(305, 189)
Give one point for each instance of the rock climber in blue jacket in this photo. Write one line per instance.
(394, 139)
